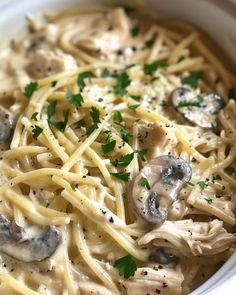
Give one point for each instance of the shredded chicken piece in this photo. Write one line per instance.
(155, 280)
(88, 288)
(106, 41)
(191, 238)
(47, 62)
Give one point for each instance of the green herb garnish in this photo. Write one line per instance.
(106, 148)
(123, 161)
(105, 73)
(122, 176)
(190, 104)
(54, 83)
(60, 125)
(150, 69)
(208, 200)
(126, 266)
(73, 186)
(190, 183)
(124, 134)
(82, 77)
(75, 99)
(30, 89)
(51, 109)
(202, 184)
(136, 97)
(106, 135)
(216, 177)
(95, 117)
(134, 107)
(36, 131)
(135, 31)
(117, 117)
(144, 182)
(193, 79)
(34, 116)
(123, 81)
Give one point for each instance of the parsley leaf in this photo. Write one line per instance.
(202, 184)
(34, 116)
(190, 183)
(117, 117)
(105, 73)
(60, 125)
(150, 69)
(30, 89)
(73, 186)
(91, 129)
(134, 107)
(36, 131)
(144, 182)
(126, 266)
(193, 79)
(54, 83)
(51, 109)
(123, 81)
(95, 115)
(81, 77)
(230, 170)
(216, 177)
(190, 104)
(142, 154)
(124, 161)
(122, 176)
(106, 135)
(135, 31)
(124, 133)
(136, 97)
(75, 99)
(232, 93)
(209, 200)
(106, 148)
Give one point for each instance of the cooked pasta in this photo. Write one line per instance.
(118, 156)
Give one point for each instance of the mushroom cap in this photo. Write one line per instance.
(199, 110)
(166, 175)
(6, 125)
(17, 244)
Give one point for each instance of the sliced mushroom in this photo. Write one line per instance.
(199, 110)
(6, 127)
(17, 244)
(157, 186)
(163, 256)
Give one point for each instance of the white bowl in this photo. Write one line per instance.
(217, 18)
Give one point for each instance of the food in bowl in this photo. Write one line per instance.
(117, 156)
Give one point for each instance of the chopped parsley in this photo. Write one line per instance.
(190, 183)
(117, 117)
(134, 107)
(106, 148)
(144, 182)
(230, 170)
(124, 161)
(82, 77)
(136, 97)
(95, 117)
(150, 69)
(123, 81)
(30, 89)
(202, 184)
(208, 200)
(105, 73)
(126, 266)
(190, 104)
(36, 131)
(51, 109)
(75, 99)
(121, 176)
(106, 135)
(73, 186)
(232, 93)
(193, 79)
(34, 116)
(135, 31)
(60, 125)
(54, 83)
(216, 177)
(100, 99)
(142, 154)
(124, 134)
